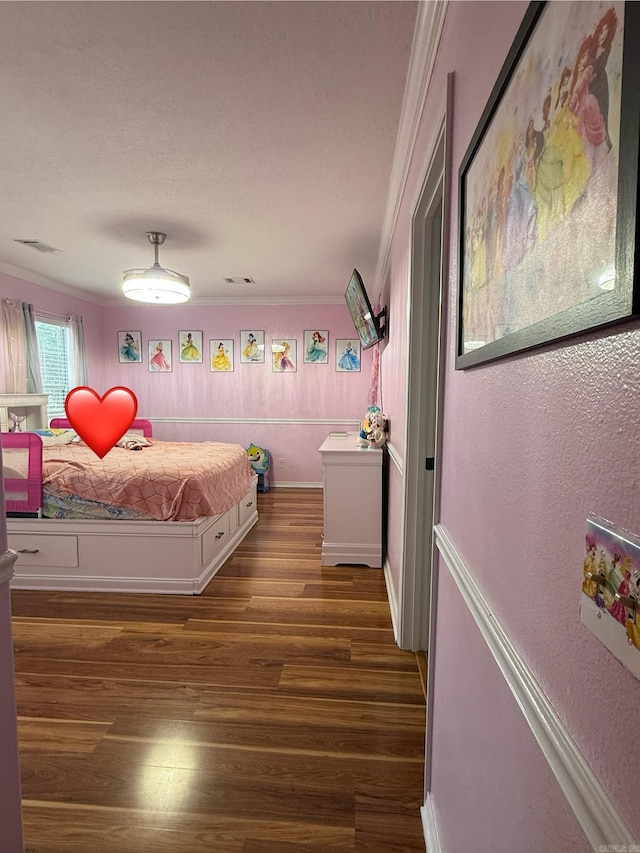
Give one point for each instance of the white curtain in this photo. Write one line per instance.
(15, 347)
(34, 377)
(78, 353)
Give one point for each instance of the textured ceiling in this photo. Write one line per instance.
(258, 135)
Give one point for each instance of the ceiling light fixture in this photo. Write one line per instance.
(156, 284)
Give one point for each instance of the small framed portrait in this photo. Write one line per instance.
(159, 356)
(251, 347)
(347, 355)
(129, 347)
(221, 355)
(284, 355)
(190, 343)
(316, 347)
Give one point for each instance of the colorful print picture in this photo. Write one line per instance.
(159, 356)
(221, 355)
(316, 347)
(129, 347)
(190, 347)
(347, 355)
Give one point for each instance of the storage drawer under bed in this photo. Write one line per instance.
(35, 549)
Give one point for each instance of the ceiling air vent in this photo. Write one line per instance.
(239, 279)
(38, 245)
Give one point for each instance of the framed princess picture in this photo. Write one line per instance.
(159, 356)
(347, 355)
(129, 347)
(548, 188)
(316, 347)
(221, 355)
(284, 355)
(190, 347)
(252, 347)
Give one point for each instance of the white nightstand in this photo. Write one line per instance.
(352, 484)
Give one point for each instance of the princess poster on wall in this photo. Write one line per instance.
(316, 347)
(347, 355)
(251, 347)
(221, 355)
(284, 355)
(190, 347)
(159, 356)
(129, 347)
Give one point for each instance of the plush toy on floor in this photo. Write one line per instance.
(260, 460)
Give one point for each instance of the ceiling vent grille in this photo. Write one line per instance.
(38, 245)
(239, 280)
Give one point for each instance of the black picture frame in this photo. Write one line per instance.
(554, 293)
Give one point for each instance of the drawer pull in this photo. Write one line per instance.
(249, 504)
(220, 534)
(29, 551)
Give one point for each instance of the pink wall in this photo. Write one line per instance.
(315, 399)
(46, 299)
(531, 445)
(492, 783)
(252, 393)
(10, 812)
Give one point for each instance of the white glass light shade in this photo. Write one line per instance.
(157, 285)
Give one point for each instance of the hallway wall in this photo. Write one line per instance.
(531, 445)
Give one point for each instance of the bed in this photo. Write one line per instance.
(151, 516)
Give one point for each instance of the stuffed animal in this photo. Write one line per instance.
(374, 428)
(258, 458)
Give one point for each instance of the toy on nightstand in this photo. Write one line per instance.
(374, 429)
(260, 460)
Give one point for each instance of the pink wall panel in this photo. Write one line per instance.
(315, 399)
(488, 769)
(252, 390)
(531, 445)
(54, 302)
(10, 815)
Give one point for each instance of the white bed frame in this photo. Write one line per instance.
(127, 556)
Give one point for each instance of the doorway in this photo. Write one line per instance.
(421, 484)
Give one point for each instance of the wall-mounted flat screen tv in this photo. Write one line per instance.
(368, 325)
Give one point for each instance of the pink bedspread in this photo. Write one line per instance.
(167, 481)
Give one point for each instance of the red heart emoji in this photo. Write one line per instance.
(101, 421)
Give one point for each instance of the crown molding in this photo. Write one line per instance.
(232, 300)
(50, 283)
(427, 32)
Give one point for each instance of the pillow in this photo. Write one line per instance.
(56, 437)
(133, 441)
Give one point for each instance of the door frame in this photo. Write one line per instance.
(426, 326)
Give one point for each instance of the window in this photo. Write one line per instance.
(54, 350)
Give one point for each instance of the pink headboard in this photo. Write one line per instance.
(28, 483)
(138, 425)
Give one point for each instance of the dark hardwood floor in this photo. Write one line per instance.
(272, 713)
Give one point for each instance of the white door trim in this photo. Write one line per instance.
(426, 327)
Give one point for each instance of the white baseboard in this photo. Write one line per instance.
(429, 827)
(291, 485)
(590, 803)
(393, 600)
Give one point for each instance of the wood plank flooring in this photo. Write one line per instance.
(272, 714)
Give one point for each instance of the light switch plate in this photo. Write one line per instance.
(612, 565)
